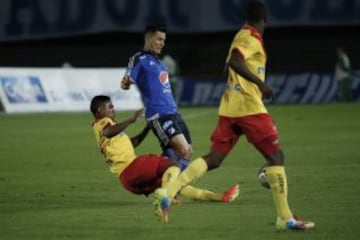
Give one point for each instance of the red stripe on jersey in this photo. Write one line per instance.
(255, 33)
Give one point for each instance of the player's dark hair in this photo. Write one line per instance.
(96, 103)
(255, 11)
(151, 28)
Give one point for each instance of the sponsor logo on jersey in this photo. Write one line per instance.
(163, 77)
(233, 87)
(261, 70)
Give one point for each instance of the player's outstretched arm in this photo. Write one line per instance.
(111, 131)
(137, 140)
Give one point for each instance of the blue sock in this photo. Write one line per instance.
(169, 152)
(183, 163)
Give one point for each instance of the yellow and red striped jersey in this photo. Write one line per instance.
(242, 97)
(118, 151)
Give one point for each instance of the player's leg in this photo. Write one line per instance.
(162, 201)
(174, 138)
(195, 193)
(276, 176)
(194, 171)
(180, 148)
(277, 179)
(180, 141)
(148, 172)
(169, 152)
(166, 171)
(223, 139)
(261, 131)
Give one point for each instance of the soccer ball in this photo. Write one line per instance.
(263, 177)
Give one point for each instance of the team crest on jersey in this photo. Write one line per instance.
(163, 77)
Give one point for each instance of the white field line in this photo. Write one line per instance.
(198, 114)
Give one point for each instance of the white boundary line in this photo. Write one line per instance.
(196, 115)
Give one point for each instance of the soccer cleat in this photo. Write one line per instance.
(293, 224)
(231, 194)
(162, 204)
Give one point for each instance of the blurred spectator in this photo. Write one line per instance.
(342, 75)
(66, 65)
(173, 69)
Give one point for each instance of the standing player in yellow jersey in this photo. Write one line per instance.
(140, 174)
(242, 112)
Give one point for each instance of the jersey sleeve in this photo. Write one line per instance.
(103, 123)
(134, 66)
(244, 45)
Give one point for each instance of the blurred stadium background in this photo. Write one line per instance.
(301, 35)
(301, 40)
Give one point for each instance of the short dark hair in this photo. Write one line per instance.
(255, 11)
(96, 103)
(151, 28)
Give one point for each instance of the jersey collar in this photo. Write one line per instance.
(149, 52)
(254, 32)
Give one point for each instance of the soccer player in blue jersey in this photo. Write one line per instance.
(146, 70)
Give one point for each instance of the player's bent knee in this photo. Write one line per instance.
(183, 152)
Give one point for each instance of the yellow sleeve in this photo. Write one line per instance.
(104, 122)
(99, 125)
(244, 45)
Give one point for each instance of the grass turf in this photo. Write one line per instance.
(55, 185)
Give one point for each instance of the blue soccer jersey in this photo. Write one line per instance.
(151, 77)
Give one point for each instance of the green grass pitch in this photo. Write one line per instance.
(55, 185)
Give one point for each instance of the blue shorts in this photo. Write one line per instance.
(168, 126)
